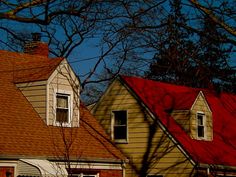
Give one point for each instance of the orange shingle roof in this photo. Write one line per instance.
(26, 67)
(24, 134)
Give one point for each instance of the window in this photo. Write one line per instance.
(119, 126)
(7, 171)
(62, 108)
(85, 175)
(200, 125)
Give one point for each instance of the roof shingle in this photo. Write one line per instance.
(24, 134)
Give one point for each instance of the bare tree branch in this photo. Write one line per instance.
(217, 20)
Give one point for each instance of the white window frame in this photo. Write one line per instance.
(10, 164)
(113, 124)
(204, 124)
(85, 174)
(69, 94)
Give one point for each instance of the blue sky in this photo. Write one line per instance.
(85, 56)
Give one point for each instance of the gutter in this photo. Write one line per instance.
(114, 161)
(217, 167)
(219, 170)
(60, 159)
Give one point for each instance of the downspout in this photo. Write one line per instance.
(123, 168)
(208, 171)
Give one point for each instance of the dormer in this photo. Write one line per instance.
(201, 124)
(50, 85)
(63, 93)
(197, 120)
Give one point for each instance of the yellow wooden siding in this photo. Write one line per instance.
(200, 105)
(35, 92)
(183, 119)
(63, 80)
(166, 159)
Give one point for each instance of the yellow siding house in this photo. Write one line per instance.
(167, 130)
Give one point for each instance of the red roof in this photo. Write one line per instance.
(158, 97)
(24, 134)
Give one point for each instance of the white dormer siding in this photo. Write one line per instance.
(63, 82)
(43, 95)
(201, 124)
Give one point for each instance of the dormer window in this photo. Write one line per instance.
(63, 108)
(200, 125)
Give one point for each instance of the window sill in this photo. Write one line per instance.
(202, 139)
(121, 141)
(58, 124)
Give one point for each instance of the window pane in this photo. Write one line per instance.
(120, 132)
(62, 101)
(200, 119)
(120, 125)
(120, 117)
(7, 171)
(200, 131)
(62, 115)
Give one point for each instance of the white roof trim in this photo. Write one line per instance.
(46, 168)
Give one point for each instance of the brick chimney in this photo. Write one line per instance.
(36, 46)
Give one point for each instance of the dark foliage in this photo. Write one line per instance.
(182, 61)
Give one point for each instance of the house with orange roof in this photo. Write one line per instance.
(167, 130)
(44, 128)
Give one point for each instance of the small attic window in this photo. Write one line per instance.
(200, 125)
(119, 126)
(62, 108)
